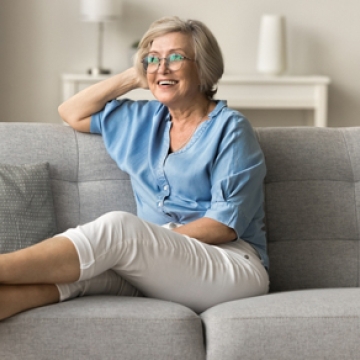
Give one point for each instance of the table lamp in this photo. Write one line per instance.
(100, 11)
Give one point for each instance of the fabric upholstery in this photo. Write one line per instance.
(104, 327)
(26, 206)
(311, 202)
(85, 181)
(297, 325)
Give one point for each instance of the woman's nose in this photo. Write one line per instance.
(163, 67)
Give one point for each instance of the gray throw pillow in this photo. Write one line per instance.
(26, 206)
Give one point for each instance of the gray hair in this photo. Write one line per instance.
(208, 56)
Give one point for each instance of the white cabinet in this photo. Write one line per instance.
(244, 92)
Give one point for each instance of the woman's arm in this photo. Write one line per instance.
(77, 111)
(236, 188)
(208, 231)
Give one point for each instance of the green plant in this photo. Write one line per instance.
(135, 44)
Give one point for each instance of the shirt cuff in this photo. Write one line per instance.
(229, 214)
(95, 124)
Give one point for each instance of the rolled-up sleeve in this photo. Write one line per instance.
(112, 107)
(237, 178)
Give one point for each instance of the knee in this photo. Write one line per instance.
(121, 224)
(118, 217)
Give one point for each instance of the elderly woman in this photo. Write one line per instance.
(197, 172)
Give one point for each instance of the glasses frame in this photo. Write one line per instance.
(167, 62)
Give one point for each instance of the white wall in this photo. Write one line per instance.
(40, 39)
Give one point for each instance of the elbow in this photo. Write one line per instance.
(68, 116)
(63, 113)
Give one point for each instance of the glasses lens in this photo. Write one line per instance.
(175, 61)
(151, 63)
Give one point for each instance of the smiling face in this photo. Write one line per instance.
(174, 88)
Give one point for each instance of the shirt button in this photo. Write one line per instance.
(166, 187)
(160, 203)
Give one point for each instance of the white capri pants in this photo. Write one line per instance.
(121, 254)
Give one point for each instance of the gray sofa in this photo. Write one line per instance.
(312, 219)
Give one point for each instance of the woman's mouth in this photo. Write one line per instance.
(167, 82)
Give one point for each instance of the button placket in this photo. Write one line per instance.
(163, 185)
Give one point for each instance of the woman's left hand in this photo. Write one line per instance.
(208, 231)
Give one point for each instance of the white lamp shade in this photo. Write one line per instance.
(100, 10)
(272, 45)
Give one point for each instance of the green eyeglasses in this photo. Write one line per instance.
(173, 62)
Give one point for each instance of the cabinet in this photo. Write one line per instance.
(244, 92)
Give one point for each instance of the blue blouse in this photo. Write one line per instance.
(218, 174)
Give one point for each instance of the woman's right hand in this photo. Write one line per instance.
(141, 80)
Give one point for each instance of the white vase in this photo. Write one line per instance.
(272, 45)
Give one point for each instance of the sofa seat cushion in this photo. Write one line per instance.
(306, 324)
(104, 327)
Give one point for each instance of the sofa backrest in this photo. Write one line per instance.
(86, 182)
(312, 199)
(312, 193)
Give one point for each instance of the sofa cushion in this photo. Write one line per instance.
(311, 203)
(104, 327)
(304, 324)
(26, 206)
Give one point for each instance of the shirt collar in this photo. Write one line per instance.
(220, 104)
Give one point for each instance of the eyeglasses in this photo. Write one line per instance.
(173, 62)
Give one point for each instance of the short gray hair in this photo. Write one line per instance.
(208, 56)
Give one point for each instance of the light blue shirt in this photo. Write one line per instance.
(218, 174)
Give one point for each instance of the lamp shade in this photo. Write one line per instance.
(100, 10)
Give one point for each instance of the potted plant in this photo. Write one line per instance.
(132, 51)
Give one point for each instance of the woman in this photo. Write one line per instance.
(197, 173)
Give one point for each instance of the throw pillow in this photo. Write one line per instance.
(26, 206)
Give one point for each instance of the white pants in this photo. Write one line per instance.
(152, 260)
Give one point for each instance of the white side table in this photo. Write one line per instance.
(73, 83)
(244, 92)
(282, 92)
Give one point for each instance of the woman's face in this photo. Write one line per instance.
(174, 88)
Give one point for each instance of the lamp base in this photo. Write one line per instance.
(98, 71)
